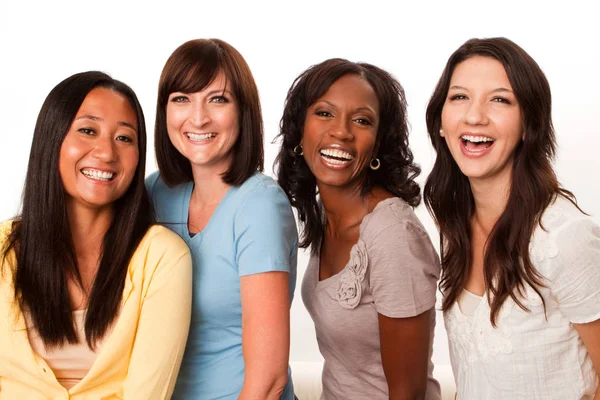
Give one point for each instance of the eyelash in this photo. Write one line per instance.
(87, 131)
(322, 113)
(495, 99)
(363, 121)
(179, 99)
(219, 99)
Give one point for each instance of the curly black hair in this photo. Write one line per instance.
(397, 172)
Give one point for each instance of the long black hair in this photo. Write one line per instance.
(41, 235)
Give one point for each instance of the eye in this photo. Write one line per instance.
(501, 100)
(219, 99)
(363, 121)
(458, 96)
(323, 113)
(124, 138)
(179, 99)
(87, 131)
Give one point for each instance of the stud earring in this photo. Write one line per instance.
(298, 150)
(375, 164)
(441, 132)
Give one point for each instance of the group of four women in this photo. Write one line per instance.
(116, 286)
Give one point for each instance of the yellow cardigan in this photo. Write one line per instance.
(139, 359)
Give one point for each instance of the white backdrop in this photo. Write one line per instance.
(42, 43)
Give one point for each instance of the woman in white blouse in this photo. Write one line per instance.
(520, 261)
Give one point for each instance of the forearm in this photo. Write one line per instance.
(268, 387)
(408, 391)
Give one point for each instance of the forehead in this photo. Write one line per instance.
(352, 90)
(109, 105)
(480, 72)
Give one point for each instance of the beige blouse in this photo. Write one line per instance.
(70, 362)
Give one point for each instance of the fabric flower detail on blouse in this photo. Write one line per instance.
(542, 246)
(350, 290)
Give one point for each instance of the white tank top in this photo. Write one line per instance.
(468, 302)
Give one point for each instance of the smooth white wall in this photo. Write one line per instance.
(42, 43)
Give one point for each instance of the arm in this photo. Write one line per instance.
(405, 344)
(590, 334)
(265, 334)
(163, 325)
(404, 270)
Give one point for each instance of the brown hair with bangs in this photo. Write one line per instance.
(192, 67)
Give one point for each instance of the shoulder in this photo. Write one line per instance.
(261, 192)
(5, 230)
(391, 215)
(160, 244)
(564, 232)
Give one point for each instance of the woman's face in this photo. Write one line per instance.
(481, 119)
(99, 154)
(340, 132)
(203, 126)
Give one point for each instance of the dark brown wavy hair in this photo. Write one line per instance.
(397, 172)
(192, 67)
(448, 195)
(41, 235)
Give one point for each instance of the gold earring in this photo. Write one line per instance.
(375, 164)
(298, 150)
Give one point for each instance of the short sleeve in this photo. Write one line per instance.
(575, 278)
(265, 232)
(404, 270)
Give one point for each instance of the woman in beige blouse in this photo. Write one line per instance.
(371, 281)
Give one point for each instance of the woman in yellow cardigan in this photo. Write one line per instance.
(94, 299)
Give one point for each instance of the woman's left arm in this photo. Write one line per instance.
(590, 334)
(404, 269)
(405, 345)
(265, 334)
(164, 320)
(266, 246)
(575, 279)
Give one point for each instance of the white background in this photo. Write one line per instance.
(41, 43)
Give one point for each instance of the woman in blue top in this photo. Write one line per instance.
(237, 222)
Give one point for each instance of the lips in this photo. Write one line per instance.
(336, 157)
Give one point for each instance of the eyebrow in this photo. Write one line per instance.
(358, 109)
(219, 91)
(95, 118)
(500, 89)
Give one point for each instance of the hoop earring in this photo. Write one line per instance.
(298, 150)
(375, 164)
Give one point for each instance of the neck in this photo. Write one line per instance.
(88, 228)
(209, 187)
(344, 207)
(491, 197)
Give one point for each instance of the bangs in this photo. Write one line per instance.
(191, 71)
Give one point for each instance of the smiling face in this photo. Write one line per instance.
(481, 119)
(99, 154)
(340, 132)
(203, 126)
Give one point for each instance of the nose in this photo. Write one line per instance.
(199, 114)
(476, 114)
(341, 129)
(105, 150)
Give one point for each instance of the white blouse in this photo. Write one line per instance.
(529, 355)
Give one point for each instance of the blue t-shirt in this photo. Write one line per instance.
(252, 230)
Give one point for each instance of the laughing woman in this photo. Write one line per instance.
(237, 222)
(94, 300)
(520, 261)
(371, 281)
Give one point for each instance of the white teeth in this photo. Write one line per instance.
(98, 175)
(337, 154)
(197, 137)
(476, 139)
